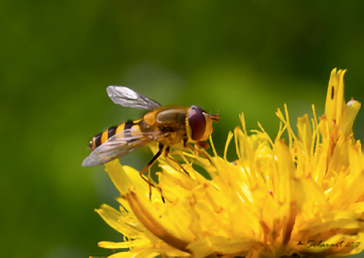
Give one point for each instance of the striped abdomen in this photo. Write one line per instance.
(101, 138)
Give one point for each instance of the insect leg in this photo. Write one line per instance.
(170, 158)
(200, 152)
(149, 164)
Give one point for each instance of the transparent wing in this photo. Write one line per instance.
(120, 144)
(129, 98)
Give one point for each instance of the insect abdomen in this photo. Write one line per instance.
(100, 138)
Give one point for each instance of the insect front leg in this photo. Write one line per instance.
(203, 145)
(200, 152)
(170, 158)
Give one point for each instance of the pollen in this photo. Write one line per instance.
(301, 197)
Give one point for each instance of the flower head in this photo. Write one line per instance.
(303, 196)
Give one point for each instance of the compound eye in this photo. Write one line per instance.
(197, 122)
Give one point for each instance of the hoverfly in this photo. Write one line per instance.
(167, 125)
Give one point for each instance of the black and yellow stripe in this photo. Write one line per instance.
(101, 138)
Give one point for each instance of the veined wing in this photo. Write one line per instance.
(120, 144)
(129, 98)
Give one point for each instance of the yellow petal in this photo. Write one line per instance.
(335, 96)
(348, 117)
(112, 217)
(146, 214)
(123, 245)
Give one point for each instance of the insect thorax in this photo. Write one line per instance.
(172, 122)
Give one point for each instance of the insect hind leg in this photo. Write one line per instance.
(148, 166)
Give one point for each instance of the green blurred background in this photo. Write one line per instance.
(58, 57)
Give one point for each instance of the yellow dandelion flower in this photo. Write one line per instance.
(300, 198)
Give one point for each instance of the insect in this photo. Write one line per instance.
(167, 125)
